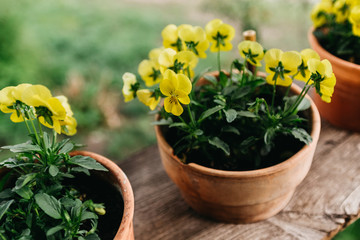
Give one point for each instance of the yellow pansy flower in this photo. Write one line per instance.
(320, 11)
(171, 38)
(129, 88)
(49, 110)
(280, 65)
(322, 78)
(147, 97)
(149, 69)
(178, 62)
(194, 39)
(252, 51)
(176, 88)
(220, 35)
(306, 55)
(69, 124)
(341, 10)
(8, 97)
(354, 19)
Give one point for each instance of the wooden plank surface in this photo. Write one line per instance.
(326, 201)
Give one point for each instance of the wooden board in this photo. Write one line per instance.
(326, 201)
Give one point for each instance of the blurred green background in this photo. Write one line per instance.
(81, 49)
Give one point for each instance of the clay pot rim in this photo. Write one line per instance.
(343, 63)
(283, 166)
(126, 191)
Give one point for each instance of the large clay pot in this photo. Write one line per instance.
(344, 109)
(118, 178)
(240, 196)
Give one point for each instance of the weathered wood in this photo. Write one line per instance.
(325, 201)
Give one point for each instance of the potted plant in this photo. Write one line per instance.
(49, 192)
(235, 142)
(336, 37)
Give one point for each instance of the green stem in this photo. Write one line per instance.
(218, 60)
(273, 96)
(191, 116)
(35, 132)
(188, 72)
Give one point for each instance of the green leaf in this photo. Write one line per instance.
(24, 192)
(246, 114)
(305, 104)
(217, 142)
(53, 170)
(240, 92)
(23, 147)
(223, 79)
(87, 162)
(302, 135)
(178, 124)
(7, 193)
(4, 207)
(163, 122)
(198, 132)
(230, 129)
(230, 114)
(209, 112)
(47, 141)
(269, 135)
(88, 215)
(93, 236)
(50, 205)
(229, 89)
(239, 66)
(24, 179)
(66, 148)
(80, 169)
(212, 79)
(289, 102)
(54, 230)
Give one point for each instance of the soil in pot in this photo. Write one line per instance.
(246, 158)
(97, 189)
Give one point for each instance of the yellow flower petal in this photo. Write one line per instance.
(188, 58)
(170, 36)
(308, 54)
(257, 52)
(145, 96)
(173, 106)
(215, 28)
(184, 84)
(129, 79)
(15, 118)
(272, 57)
(169, 83)
(34, 95)
(6, 96)
(291, 61)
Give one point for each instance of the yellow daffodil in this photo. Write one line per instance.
(69, 124)
(354, 19)
(252, 51)
(341, 10)
(281, 65)
(322, 78)
(147, 97)
(171, 38)
(130, 86)
(178, 62)
(194, 39)
(176, 88)
(320, 11)
(306, 55)
(220, 35)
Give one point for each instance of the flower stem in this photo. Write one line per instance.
(218, 60)
(273, 96)
(191, 116)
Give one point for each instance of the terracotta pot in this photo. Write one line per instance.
(118, 178)
(240, 196)
(344, 109)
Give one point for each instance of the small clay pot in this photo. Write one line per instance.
(118, 178)
(240, 196)
(344, 109)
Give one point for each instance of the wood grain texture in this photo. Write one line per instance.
(323, 203)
